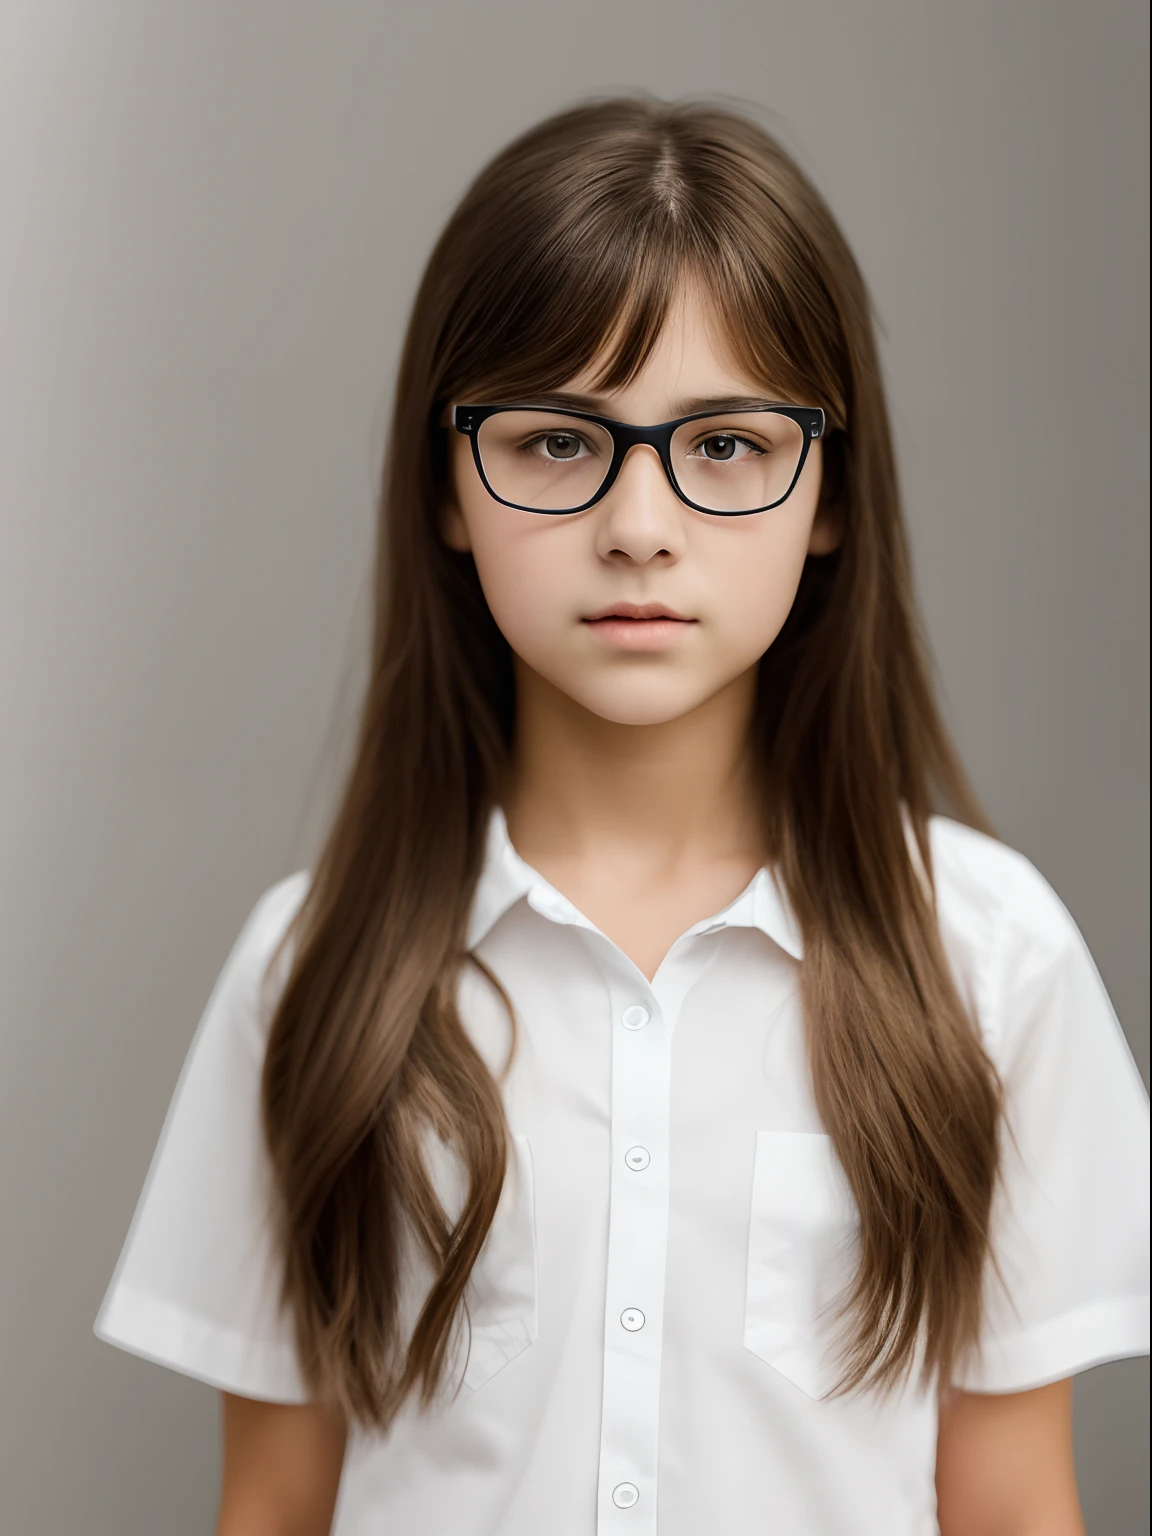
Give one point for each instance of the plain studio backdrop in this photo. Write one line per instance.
(214, 218)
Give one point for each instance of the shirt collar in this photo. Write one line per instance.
(506, 878)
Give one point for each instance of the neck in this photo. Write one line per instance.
(583, 787)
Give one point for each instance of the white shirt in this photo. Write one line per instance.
(647, 1352)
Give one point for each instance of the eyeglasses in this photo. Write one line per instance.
(728, 463)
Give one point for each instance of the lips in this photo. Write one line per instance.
(639, 611)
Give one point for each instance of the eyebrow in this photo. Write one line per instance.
(598, 405)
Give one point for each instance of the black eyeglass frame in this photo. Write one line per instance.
(468, 419)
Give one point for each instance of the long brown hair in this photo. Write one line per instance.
(565, 252)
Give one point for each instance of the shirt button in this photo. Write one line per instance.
(632, 1318)
(634, 1018)
(637, 1158)
(624, 1495)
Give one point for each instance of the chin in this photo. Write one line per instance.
(640, 703)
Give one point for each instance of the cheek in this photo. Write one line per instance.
(752, 575)
(524, 569)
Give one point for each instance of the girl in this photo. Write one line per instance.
(650, 1113)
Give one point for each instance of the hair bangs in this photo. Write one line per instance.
(592, 306)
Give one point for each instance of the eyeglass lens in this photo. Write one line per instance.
(736, 462)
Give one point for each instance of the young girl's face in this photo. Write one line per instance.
(731, 580)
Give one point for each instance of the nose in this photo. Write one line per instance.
(641, 516)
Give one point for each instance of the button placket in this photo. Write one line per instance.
(641, 1036)
(637, 1243)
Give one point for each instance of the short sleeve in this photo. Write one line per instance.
(196, 1285)
(1070, 1220)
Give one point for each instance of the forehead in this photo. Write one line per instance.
(691, 358)
(691, 337)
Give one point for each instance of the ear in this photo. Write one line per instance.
(453, 528)
(831, 510)
(827, 529)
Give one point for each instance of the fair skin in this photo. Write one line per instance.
(630, 792)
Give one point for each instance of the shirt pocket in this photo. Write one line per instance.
(502, 1291)
(803, 1245)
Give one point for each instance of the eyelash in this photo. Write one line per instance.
(542, 437)
(735, 436)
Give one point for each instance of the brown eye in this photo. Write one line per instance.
(562, 445)
(719, 448)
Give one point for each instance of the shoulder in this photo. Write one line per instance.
(1003, 925)
(269, 919)
(257, 964)
(994, 893)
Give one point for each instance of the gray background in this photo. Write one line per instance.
(214, 218)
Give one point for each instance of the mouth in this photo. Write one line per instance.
(639, 626)
(638, 613)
